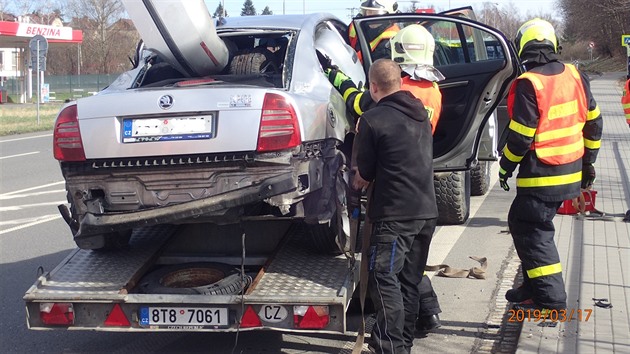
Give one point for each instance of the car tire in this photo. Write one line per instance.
(452, 194)
(480, 178)
(254, 61)
(205, 278)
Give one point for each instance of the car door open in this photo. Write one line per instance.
(478, 65)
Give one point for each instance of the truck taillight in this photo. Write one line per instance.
(67, 144)
(250, 318)
(56, 313)
(117, 318)
(279, 128)
(312, 317)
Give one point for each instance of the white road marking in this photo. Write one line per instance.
(32, 188)
(21, 221)
(36, 194)
(445, 239)
(41, 221)
(18, 155)
(24, 206)
(29, 137)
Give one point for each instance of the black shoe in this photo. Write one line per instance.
(518, 295)
(428, 323)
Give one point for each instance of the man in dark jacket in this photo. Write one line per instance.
(395, 152)
(412, 48)
(555, 133)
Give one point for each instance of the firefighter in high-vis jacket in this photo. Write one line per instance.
(377, 35)
(625, 100)
(412, 48)
(554, 137)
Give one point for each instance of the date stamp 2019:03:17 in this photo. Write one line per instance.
(538, 315)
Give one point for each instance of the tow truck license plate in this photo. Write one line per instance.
(161, 129)
(187, 316)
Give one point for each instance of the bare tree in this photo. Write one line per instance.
(600, 22)
(102, 33)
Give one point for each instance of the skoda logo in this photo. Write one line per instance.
(166, 102)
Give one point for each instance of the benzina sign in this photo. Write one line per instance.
(30, 30)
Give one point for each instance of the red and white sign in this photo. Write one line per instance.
(30, 30)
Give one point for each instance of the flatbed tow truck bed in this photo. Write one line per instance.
(294, 290)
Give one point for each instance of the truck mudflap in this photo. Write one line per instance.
(295, 290)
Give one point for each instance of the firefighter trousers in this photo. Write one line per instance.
(397, 257)
(531, 224)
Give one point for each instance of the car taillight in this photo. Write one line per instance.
(67, 144)
(279, 128)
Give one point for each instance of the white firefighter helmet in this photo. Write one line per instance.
(413, 45)
(378, 7)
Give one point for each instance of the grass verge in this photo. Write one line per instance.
(22, 118)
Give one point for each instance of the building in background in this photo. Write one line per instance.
(16, 71)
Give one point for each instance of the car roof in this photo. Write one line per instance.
(294, 22)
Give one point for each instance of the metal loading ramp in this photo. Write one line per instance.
(102, 275)
(300, 275)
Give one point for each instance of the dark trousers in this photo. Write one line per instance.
(398, 255)
(531, 225)
(428, 304)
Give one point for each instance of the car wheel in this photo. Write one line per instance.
(194, 278)
(480, 178)
(254, 61)
(452, 194)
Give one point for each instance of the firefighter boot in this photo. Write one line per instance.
(518, 295)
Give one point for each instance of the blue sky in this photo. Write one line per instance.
(343, 8)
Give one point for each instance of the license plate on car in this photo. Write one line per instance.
(183, 316)
(140, 130)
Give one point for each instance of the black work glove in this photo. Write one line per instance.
(503, 177)
(588, 175)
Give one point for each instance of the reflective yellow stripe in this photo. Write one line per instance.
(593, 114)
(544, 270)
(573, 70)
(510, 156)
(559, 133)
(522, 129)
(424, 273)
(377, 40)
(356, 105)
(538, 85)
(563, 110)
(502, 171)
(592, 144)
(559, 150)
(625, 106)
(549, 181)
(430, 112)
(348, 92)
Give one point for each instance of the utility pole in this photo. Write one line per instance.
(352, 10)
